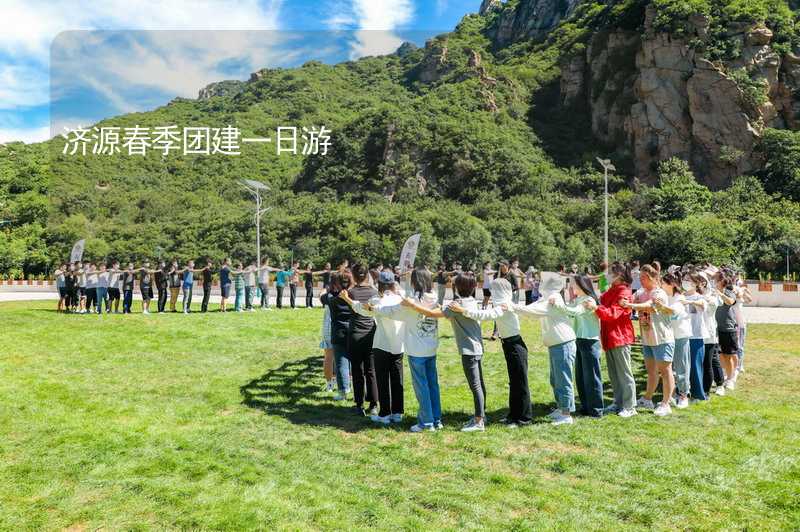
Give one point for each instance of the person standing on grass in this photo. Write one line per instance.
(114, 288)
(520, 409)
(80, 272)
(617, 336)
(327, 348)
(682, 331)
(238, 287)
(294, 280)
(559, 338)
(146, 286)
(326, 276)
(224, 284)
(441, 283)
(207, 274)
(743, 296)
(529, 284)
(469, 341)
(281, 282)
(263, 283)
(308, 281)
(360, 333)
(128, 278)
(161, 278)
(250, 286)
(421, 342)
(188, 286)
(694, 287)
(658, 340)
(91, 287)
(103, 279)
(387, 349)
(174, 285)
(486, 283)
(588, 378)
(341, 313)
(712, 369)
(61, 285)
(71, 284)
(726, 329)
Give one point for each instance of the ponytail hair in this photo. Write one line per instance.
(674, 281)
(586, 286)
(623, 271)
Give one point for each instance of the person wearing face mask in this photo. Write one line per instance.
(658, 340)
(682, 330)
(559, 338)
(616, 335)
(520, 409)
(694, 287)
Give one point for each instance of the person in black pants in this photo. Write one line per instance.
(359, 345)
(162, 279)
(127, 289)
(294, 280)
(308, 280)
(207, 274)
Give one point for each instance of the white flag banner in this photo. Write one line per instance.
(409, 254)
(77, 251)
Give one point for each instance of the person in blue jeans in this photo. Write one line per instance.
(421, 343)
(340, 315)
(694, 300)
(188, 285)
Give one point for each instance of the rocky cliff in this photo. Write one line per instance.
(650, 94)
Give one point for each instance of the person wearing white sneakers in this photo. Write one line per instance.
(558, 336)
(712, 370)
(387, 349)
(469, 340)
(421, 341)
(616, 336)
(341, 313)
(743, 296)
(682, 331)
(726, 329)
(658, 340)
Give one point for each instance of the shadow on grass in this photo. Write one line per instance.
(293, 391)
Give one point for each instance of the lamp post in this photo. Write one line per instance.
(607, 167)
(255, 188)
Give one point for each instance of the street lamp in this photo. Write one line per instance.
(255, 188)
(607, 167)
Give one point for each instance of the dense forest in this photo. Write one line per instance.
(467, 140)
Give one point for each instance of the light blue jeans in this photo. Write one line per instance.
(426, 387)
(681, 366)
(342, 367)
(562, 360)
(742, 333)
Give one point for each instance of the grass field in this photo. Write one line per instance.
(221, 422)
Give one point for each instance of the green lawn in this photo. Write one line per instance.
(220, 422)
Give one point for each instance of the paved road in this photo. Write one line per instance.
(753, 314)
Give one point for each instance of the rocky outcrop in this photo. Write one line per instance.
(528, 19)
(230, 87)
(672, 102)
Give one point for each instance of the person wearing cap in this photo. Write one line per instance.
(559, 338)
(520, 409)
(387, 348)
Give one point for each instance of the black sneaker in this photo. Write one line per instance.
(359, 411)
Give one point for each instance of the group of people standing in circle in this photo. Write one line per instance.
(691, 330)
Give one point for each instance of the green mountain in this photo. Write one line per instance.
(484, 140)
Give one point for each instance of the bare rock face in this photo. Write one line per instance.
(229, 87)
(673, 103)
(487, 6)
(530, 19)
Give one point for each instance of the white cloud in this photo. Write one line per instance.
(375, 22)
(27, 135)
(31, 25)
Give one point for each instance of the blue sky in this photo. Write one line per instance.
(70, 63)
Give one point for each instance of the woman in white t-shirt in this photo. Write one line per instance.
(743, 296)
(488, 275)
(658, 340)
(421, 341)
(682, 330)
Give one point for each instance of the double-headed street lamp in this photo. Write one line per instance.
(256, 188)
(607, 167)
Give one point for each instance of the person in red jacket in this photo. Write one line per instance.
(616, 335)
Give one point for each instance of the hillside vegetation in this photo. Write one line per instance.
(467, 140)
